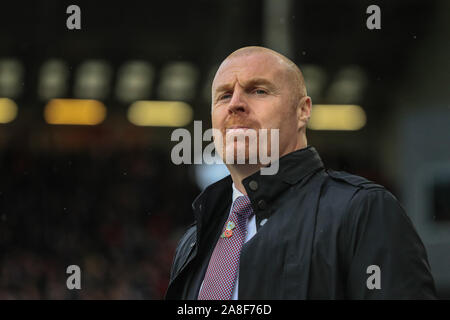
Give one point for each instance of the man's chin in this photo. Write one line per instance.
(239, 156)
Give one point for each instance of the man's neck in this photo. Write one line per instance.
(240, 172)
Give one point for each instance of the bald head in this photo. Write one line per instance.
(292, 70)
(258, 88)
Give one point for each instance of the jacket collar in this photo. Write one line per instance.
(261, 189)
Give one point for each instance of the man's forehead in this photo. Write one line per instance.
(248, 67)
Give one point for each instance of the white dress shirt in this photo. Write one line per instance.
(251, 231)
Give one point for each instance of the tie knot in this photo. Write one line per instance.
(242, 206)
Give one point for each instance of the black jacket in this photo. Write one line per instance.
(324, 230)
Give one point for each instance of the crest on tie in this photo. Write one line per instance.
(228, 230)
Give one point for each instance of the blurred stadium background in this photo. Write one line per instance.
(90, 182)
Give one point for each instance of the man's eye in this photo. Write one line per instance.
(224, 96)
(260, 91)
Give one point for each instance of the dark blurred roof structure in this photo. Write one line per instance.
(325, 33)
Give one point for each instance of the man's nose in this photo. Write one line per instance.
(238, 102)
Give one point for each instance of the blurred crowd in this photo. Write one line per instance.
(116, 215)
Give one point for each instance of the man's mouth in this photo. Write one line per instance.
(236, 129)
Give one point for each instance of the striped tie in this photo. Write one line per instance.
(224, 264)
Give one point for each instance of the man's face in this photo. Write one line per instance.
(255, 92)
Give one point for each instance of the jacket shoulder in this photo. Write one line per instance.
(352, 181)
(341, 189)
(361, 198)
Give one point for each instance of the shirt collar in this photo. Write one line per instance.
(236, 193)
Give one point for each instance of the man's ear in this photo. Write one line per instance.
(304, 111)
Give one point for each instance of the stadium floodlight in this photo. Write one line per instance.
(160, 113)
(134, 81)
(74, 112)
(315, 79)
(53, 78)
(8, 110)
(178, 81)
(337, 117)
(92, 80)
(348, 86)
(11, 77)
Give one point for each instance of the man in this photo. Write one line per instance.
(302, 233)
